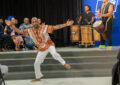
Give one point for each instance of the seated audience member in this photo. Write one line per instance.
(25, 24)
(3, 38)
(17, 39)
(28, 41)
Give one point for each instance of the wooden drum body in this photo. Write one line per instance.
(96, 35)
(86, 35)
(75, 33)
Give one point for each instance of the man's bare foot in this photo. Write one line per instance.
(67, 66)
(35, 80)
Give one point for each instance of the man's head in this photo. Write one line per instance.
(104, 1)
(12, 20)
(26, 21)
(39, 21)
(34, 22)
(87, 8)
(1, 21)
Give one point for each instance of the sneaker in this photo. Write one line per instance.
(109, 48)
(101, 47)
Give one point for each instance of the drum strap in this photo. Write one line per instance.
(107, 24)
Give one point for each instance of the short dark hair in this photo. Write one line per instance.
(87, 6)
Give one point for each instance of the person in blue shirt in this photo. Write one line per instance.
(28, 41)
(25, 24)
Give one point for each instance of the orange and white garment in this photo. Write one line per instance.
(41, 37)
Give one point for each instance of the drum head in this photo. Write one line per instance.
(97, 23)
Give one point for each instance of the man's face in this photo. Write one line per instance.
(1, 21)
(13, 21)
(39, 21)
(35, 23)
(105, 1)
(26, 21)
(86, 8)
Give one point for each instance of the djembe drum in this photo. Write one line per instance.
(100, 28)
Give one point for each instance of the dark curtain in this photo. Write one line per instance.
(50, 11)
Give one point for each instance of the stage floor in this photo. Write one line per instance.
(65, 81)
(63, 49)
(85, 62)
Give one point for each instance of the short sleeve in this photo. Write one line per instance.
(26, 32)
(50, 29)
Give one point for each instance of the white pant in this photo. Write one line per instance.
(40, 58)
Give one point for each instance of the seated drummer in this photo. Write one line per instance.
(87, 17)
(105, 12)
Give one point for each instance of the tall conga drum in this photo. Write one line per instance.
(86, 35)
(75, 33)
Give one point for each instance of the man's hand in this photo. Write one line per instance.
(30, 26)
(69, 22)
(89, 23)
(13, 27)
(99, 15)
(8, 22)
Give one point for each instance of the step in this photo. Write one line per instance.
(32, 54)
(50, 60)
(56, 67)
(61, 74)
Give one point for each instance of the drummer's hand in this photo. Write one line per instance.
(99, 15)
(69, 22)
(89, 23)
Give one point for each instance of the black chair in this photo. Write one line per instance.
(1, 78)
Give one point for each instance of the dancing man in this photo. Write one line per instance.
(40, 36)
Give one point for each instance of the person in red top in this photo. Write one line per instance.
(40, 36)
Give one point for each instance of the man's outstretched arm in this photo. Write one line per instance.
(68, 23)
(17, 30)
(14, 28)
